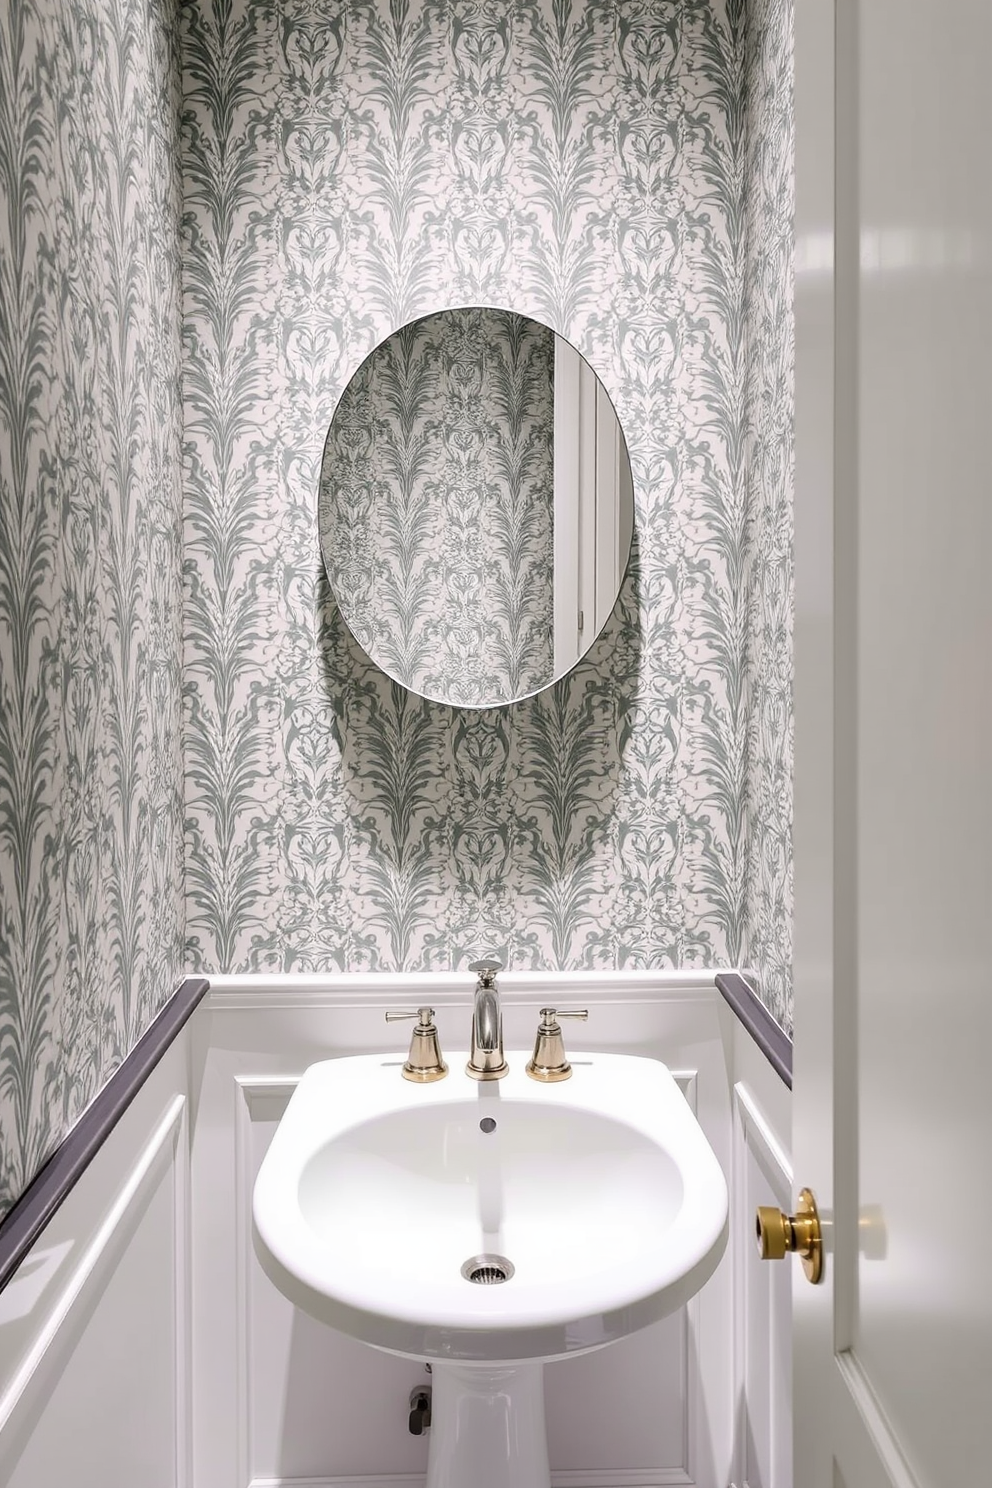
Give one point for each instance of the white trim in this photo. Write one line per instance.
(751, 1133)
(255, 1088)
(883, 1439)
(759, 1137)
(122, 1216)
(668, 1477)
(566, 508)
(686, 1080)
(648, 1477)
(278, 991)
(250, 1092)
(183, 1292)
(246, 1092)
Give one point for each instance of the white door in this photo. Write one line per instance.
(893, 814)
(593, 506)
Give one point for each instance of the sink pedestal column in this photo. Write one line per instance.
(487, 1426)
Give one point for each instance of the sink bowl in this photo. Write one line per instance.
(599, 1198)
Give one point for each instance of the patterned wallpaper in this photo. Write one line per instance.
(436, 506)
(769, 204)
(621, 172)
(348, 169)
(618, 171)
(91, 911)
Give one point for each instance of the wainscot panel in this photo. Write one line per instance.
(284, 1401)
(760, 1173)
(94, 1324)
(140, 1341)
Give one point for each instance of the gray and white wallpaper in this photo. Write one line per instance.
(619, 171)
(769, 214)
(91, 909)
(436, 506)
(347, 170)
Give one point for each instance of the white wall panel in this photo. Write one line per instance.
(107, 1378)
(312, 1395)
(94, 1327)
(283, 1400)
(761, 1173)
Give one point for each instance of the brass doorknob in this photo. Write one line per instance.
(777, 1234)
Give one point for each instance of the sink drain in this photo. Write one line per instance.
(487, 1270)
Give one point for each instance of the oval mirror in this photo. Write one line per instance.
(475, 507)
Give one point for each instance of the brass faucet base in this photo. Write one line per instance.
(424, 1076)
(548, 1073)
(548, 1062)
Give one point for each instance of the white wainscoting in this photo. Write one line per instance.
(94, 1325)
(141, 1343)
(283, 1402)
(761, 1173)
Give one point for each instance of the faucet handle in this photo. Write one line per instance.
(424, 1062)
(486, 970)
(548, 1061)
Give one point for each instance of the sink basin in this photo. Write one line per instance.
(378, 1195)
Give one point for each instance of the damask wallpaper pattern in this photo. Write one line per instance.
(348, 169)
(619, 171)
(436, 506)
(769, 215)
(91, 910)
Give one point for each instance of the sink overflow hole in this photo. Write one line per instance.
(487, 1270)
(487, 1124)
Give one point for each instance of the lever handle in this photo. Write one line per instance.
(486, 970)
(424, 1062)
(549, 1061)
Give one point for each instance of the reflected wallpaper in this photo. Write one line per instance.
(436, 506)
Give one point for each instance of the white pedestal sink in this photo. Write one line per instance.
(379, 1199)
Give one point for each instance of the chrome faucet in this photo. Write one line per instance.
(486, 1061)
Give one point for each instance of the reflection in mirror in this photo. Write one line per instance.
(475, 506)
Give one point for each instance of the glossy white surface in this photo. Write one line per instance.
(487, 1427)
(893, 804)
(94, 1332)
(602, 1191)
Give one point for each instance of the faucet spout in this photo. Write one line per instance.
(486, 1021)
(486, 1060)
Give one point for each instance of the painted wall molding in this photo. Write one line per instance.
(22, 1225)
(102, 1252)
(760, 1173)
(770, 1037)
(650, 1479)
(29, 1217)
(95, 1326)
(262, 990)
